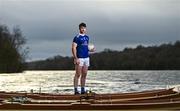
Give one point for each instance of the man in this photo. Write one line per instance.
(80, 53)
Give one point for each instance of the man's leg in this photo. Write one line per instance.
(76, 77)
(83, 78)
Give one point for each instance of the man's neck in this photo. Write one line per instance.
(82, 34)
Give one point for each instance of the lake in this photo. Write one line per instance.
(97, 81)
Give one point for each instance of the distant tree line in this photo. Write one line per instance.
(163, 57)
(12, 53)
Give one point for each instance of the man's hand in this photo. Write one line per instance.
(76, 61)
(92, 50)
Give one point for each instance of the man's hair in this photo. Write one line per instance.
(82, 25)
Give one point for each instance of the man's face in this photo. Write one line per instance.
(82, 30)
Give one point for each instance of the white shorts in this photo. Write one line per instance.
(84, 61)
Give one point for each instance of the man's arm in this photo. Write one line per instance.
(74, 50)
(74, 45)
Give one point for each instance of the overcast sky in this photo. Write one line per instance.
(50, 25)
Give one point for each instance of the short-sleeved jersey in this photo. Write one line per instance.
(82, 45)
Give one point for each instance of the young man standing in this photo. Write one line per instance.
(80, 53)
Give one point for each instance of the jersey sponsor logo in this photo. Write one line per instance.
(84, 41)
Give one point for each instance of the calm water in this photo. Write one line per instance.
(98, 81)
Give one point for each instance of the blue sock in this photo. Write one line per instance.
(76, 89)
(82, 89)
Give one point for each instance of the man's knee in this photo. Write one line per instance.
(84, 72)
(83, 75)
(77, 75)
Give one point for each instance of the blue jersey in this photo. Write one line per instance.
(82, 45)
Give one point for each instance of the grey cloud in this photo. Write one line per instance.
(51, 25)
